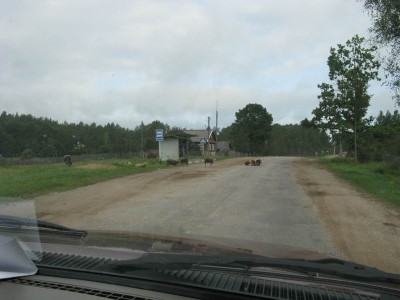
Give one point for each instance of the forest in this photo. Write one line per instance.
(26, 136)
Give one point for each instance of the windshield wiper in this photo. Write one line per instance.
(330, 266)
(336, 267)
(19, 224)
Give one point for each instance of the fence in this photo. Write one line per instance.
(75, 158)
(100, 156)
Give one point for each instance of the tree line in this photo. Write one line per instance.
(344, 102)
(28, 136)
(253, 133)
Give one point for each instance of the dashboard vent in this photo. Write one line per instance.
(267, 288)
(71, 261)
(223, 281)
(76, 289)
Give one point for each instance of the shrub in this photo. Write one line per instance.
(379, 170)
(27, 154)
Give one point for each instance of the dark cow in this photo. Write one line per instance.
(172, 162)
(151, 155)
(208, 161)
(68, 160)
(253, 162)
(184, 161)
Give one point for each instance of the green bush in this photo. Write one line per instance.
(27, 154)
(395, 165)
(379, 170)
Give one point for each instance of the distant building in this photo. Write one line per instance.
(175, 145)
(223, 146)
(203, 140)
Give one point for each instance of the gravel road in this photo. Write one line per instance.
(363, 229)
(286, 201)
(262, 204)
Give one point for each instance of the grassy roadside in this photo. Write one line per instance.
(378, 179)
(34, 180)
(30, 181)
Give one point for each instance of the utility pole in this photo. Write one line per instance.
(216, 129)
(141, 139)
(208, 128)
(208, 135)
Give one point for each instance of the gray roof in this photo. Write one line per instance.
(177, 134)
(202, 133)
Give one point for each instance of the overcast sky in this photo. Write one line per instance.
(128, 61)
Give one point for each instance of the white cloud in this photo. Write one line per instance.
(129, 61)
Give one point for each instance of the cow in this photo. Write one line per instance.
(68, 160)
(172, 162)
(151, 155)
(253, 162)
(184, 161)
(208, 161)
(141, 165)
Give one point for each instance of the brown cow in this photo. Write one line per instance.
(141, 165)
(68, 160)
(208, 161)
(184, 161)
(172, 162)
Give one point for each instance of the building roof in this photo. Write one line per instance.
(177, 134)
(201, 133)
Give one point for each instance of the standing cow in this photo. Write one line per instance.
(208, 161)
(68, 160)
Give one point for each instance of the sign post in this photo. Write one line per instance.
(203, 143)
(159, 139)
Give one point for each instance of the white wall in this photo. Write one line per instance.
(169, 149)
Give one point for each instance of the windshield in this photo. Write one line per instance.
(267, 128)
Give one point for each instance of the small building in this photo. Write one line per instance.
(202, 140)
(223, 146)
(175, 145)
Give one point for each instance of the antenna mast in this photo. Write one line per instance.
(216, 125)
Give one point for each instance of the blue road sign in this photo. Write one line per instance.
(159, 135)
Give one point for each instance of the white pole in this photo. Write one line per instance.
(159, 150)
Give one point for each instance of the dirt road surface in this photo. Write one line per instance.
(363, 229)
(284, 201)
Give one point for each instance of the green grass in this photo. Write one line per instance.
(30, 181)
(378, 179)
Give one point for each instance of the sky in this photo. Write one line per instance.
(172, 61)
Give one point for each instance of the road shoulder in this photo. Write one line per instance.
(363, 229)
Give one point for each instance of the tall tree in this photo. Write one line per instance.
(329, 116)
(297, 140)
(225, 134)
(345, 102)
(385, 28)
(251, 129)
